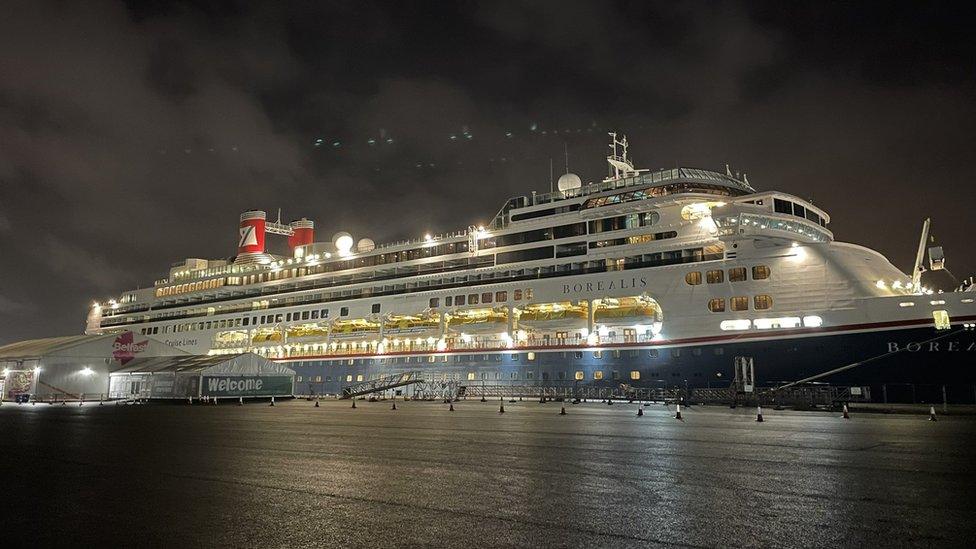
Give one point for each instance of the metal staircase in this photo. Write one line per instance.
(382, 384)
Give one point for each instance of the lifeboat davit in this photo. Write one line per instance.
(479, 321)
(553, 316)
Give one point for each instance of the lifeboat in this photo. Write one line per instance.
(266, 335)
(356, 327)
(553, 316)
(412, 326)
(627, 311)
(310, 331)
(479, 321)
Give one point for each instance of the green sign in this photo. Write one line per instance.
(223, 386)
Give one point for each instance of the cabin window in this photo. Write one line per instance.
(760, 272)
(716, 305)
(762, 302)
(459, 300)
(434, 302)
(737, 274)
(693, 278)
(635, 375)
(517, 295)
(501, 296)
(716, 276)
(941, 319)
(598, 374)
(472, 299)
(344, 311)
(579, 375)
(486, 297)
(739, 303)
(449, 301)
(375, 308)
(471, 376)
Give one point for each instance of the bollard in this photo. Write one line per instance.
(759, 418)
(846, 415)
(189, 400)
(354, 403)
(640, 410)
(394, 405)
(451, 407)
(483, 399)
(272, 401)
(501, 407)
(316, 402)
(932, 413)
(677, 413)
(609, 402)
(240, 401)
(213, 400)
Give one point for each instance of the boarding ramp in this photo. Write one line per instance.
(381, 384)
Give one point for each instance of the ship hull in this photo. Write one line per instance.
(908, 361)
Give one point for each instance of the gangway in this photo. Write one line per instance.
(382, 384)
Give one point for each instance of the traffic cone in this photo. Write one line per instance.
(640, 410)
(562, 411)
(759, 417)
(394, 405)
(846, 415)
(677, 413)
(240, 401)
(272, 401)
(931, 413)
(451, 407)
(501, 407)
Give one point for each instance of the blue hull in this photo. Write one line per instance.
(917, 372)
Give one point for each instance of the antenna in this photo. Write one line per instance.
(919, 256)
(566, 149)
(550, 174)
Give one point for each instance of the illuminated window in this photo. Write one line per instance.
(760, 272)
(634, 375)
(941, 320)
(471, 376)
(359, 377)
(349, 377)
(739, 324)
(693, 278)
(907, 304)
(597, 354)
(716, 305)
(715, 277)
(598, 374)
(530, 356)
(579, 375)
(528, 293)
(762, 302)
(737, 274)
(739, 303)
(434, 302)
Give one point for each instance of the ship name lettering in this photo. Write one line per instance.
(932, 347)
(602, 285)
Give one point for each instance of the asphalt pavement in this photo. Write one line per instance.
(297, 475)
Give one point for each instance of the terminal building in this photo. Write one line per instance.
(128, 365)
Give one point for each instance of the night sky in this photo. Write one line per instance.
(132, 135)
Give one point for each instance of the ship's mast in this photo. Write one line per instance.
(919, 257)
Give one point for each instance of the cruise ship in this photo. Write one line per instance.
(644, 278)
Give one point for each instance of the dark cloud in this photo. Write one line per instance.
(132, 134)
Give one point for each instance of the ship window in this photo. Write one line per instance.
(344, 311)
(501, 296)
(693, 278)
(579, 375)
(782, 206)
(715, 277)
(597, 354)
(675, 353)
(304, 315)
(486, 297)
(459, 300)
(716, 305)
(376, 308)
(598, 374)
(434, 302)
(760, 272)
(359, 377)
(517, 295)
(349, 378)
(762, 302)
(653, 353)
(635, 375)
(941, 319)
(530, 356)
(737, 274)
(324, 313)
(739, 303)
(561, 374)
(472, 299)
(528, 293)
(578, 354)
(449, 301)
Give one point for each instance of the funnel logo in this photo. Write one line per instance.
(125, 348)
(248, 236)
